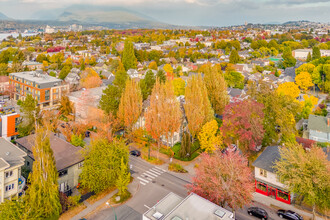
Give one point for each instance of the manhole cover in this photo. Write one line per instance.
(153, 181)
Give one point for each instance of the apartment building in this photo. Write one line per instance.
(11, 162)
(46, 89)
(8, 122)
(303, 53)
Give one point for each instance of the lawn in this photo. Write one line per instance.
(195, 149)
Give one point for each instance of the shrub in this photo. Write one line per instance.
(77, 140)
(176, 168)
(73, 201)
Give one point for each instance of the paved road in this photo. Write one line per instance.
(155, 184)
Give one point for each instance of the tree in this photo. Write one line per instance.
(147, 84)
(197, 105)
(289, 89)
(129, 59)
(43, 194)
(216, 89)
(90, 79)
(30, 112)
(185, 149)
(179, 86)
(210, 137)
(304, 81)
(66, 106)
(130, 106)
(306, 67)
(13, 209)
(77, 140)
(306, 173)
(308, 105)
(243, 124)
(234, 79)
(161, 76)
(316, 54)
(164, 115)
(289, 60)
(153, 65)
(124, 178)
(309, 57)
(102, 164)
(234, 57)
(220, 177)
(64, 72)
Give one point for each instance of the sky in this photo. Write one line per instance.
(186, 12)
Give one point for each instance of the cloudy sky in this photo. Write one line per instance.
(186, 12)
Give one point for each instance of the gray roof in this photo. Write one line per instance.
(267, 158)
(65, 154)
(318, 123)
(36, 77)
(10, 154)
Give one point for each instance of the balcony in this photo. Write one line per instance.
(21, 184)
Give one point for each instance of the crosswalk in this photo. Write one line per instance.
(149, 175)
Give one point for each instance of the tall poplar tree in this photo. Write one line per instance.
(43, 195)
(147, 84)
(234, 57)
(217, 89)
(316, 53)
(289, 60)
(197, 107)
(129, 59)
(130, 106)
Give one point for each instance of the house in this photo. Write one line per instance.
(303, 53)
(133, 73)
(32, 65)
(47, 90)
(174, 207)
(73, 78)
(11, 161)
(201, 61)
(68, 159)
(266, 181)
(318, 128)
(9, 119)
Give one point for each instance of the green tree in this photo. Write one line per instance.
(309, 57)
(306, 173)
(77, 140)
(129, 59)
(234, 57)
(3, 69)
(43, 195)
(289, 60)
(124, 178)
(64, 72)
(30, 112)
(102, 164)
(161, 76)
(316, 53)
(147, 84)
(234, 79)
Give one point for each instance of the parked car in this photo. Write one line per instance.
(136, 153)
(288, 214)
(258, 212)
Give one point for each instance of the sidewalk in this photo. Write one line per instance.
(133, 187)
(265, 200)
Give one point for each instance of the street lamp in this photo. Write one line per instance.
(112, 209)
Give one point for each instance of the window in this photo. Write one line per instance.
(261, 186)
(9, 174)
(10, 187)
(80, 165)
(263, 173)
(282, 195)
(27, 163)
(47, 95)
(63, 173)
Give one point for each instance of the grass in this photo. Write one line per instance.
(72, 212)
(195, 148)
(123, 198)
(153, 160)
(100, 195)
(176, 168)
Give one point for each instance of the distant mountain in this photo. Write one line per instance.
(3, 17)
(272, 22)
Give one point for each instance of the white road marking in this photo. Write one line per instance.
(155, 171)
(143, 179)
(142, 183)
(160, 169)
(149, 179)
(151, 173)
(148, 175)
(147, 207)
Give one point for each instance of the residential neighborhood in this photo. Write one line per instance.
(113, 122)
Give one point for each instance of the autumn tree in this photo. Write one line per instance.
(102, 164)
(234, 79)
(153, 65)
(130, 106)
(220, 177)
(234, 57)
(147, 84)
(161, 76)
(289, 60)
(306, 173)
(197, 105)
(30, 111)
(129, 59)
(243, 124)
(124, 177)
(216, 89)
(289, 89)
(304, 81)
(90, 79)
(43, 194)
(308, 105)
(186, 144)
(179, 86)
(66, 106)
(164, 115)
(210, 137)
(306, 67)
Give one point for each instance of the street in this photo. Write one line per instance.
(156, 183)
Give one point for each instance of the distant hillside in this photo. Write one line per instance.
(3, 17)
(108, 16)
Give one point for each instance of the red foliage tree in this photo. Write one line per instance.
(224, 179)
(243, 123)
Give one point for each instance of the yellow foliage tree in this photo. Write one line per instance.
(153, 65)
(90, 79)
(179, 86)
(168, 68)
(288, 89)
(209, 137)
(304, 80)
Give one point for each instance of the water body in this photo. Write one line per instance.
(5, 35)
